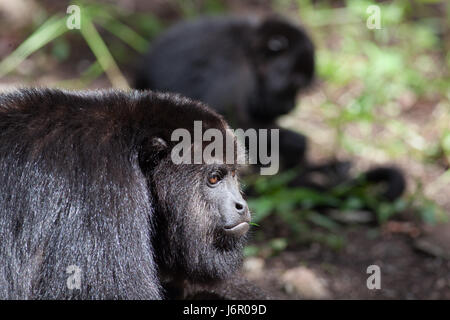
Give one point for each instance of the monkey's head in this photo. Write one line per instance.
(202, 218)
(284, 64)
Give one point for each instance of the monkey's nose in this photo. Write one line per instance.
(238, 225)
(241, 207)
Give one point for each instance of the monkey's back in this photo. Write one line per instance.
(68, 179)
(205, 59)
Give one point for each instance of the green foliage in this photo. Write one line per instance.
(385, 63)
(424, 208)
(297, 208)
(55, 27)
(107, 17)
(50, 30)
(100, 50)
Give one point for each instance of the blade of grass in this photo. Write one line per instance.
(101, 52)
(51, 29)
(123, 32)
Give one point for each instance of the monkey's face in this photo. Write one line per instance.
(224, 197)
(202, 220)
(284, 65)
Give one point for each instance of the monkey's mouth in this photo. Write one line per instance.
(237, 230)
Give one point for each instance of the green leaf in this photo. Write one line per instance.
(323, 221)
(50, 30)
(122, 31)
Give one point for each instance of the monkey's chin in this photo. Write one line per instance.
(220, 265)
(232, 239)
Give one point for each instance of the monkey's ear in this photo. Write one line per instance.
(158, 144)
(151, 152)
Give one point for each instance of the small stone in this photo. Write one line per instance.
(435, 242)
(305, 283)
(253, 267)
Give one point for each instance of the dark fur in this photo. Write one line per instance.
(226, 62)
(83, 181)
(236, 287)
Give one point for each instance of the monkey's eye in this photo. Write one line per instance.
(277, 43)
(214, 178)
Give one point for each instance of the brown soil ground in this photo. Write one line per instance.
(406, 273)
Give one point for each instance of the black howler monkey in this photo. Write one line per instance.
(88, 186)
